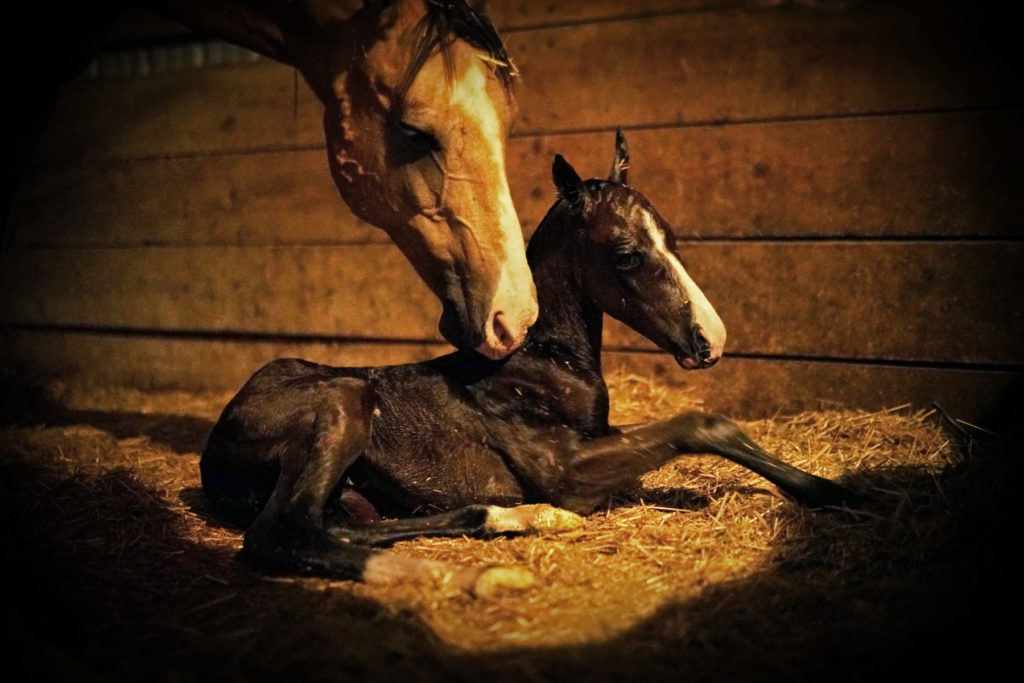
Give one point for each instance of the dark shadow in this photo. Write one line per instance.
(196, 501)
(1004, 418)
(110, 589)
(674, 498)
(180, 433)
(24, 404)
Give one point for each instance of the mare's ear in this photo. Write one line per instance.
(570, 186)
(620, 166)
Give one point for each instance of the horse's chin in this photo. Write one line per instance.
(488, 351)
(453, 329)
(688, 362)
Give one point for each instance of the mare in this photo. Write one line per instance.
(468, 436)
(418, 102)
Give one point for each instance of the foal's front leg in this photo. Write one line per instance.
(479, 521)
(602, 466)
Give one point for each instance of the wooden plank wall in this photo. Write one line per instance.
(845, 184)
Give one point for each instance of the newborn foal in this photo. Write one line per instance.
(466, 435)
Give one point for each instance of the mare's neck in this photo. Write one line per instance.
(279, 29)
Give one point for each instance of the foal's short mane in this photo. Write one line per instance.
(562, 223)
(446, 21)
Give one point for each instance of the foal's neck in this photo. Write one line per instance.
(569, 323)
(554, 379)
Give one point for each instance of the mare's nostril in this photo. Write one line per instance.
(502, 334)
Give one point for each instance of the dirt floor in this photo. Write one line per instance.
(117, 571)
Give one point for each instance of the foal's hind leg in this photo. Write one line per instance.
(602, 466)
(288, 534)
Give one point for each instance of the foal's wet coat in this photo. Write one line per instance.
(463, 436)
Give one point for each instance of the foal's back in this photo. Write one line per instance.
(430, 442)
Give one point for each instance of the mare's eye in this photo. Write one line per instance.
(627, 261)
(412, 143)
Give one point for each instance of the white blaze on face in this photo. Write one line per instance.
(704, 315)
(514, 307)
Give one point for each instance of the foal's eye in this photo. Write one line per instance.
(627, 261)
(412, 143)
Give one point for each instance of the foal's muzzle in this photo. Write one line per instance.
(699, 354)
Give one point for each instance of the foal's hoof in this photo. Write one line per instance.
(494, 581)
(551, 519)
(530, 518)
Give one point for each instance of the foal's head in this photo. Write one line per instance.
(418, 108)
(628, 264)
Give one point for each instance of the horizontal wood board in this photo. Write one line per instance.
(742, 387)
(892, 176)
(938, 301)
(690, 68)
(137, 26)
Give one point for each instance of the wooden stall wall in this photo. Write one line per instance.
(844, 181)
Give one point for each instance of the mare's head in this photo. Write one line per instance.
(624, 257)
(418, 108)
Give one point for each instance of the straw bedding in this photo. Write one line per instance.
(117, 571)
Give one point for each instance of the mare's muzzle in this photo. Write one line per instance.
(491, 333)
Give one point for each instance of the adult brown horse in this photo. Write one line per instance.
(417, 108)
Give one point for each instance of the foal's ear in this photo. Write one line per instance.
(570, 186)
(620, 166)
(385, 10)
